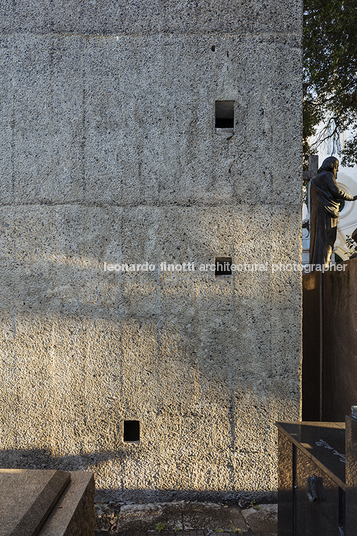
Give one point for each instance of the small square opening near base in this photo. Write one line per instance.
(131, 431)
(224, 116)
(223, 266)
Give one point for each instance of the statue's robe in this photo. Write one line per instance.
(324, 207)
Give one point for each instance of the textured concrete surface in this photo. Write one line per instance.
(150, 17)
(109, 155)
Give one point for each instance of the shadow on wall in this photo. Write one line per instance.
(43, 459)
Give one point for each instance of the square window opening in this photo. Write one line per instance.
(224, 114)
(131, 431)
(223, 266)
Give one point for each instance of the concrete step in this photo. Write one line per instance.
(46, 503)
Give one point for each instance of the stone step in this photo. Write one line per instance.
(74, 513)
(46, 502)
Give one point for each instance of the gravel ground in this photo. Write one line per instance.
(185, 518)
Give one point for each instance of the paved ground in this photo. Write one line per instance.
(185, 518)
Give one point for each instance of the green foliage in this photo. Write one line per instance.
(350, 152)
(254, 504)
(330, 72)
(160, 527)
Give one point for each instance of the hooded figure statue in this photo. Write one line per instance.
(325, 208)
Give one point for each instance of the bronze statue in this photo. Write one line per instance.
(325, 208)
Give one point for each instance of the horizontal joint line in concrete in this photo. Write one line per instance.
(158, 205)
(163, 34)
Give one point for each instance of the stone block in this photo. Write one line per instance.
(264, 518)
(74, 514)
(27, 498)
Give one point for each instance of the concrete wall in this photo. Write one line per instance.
(109, 154)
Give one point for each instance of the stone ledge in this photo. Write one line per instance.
(74, 513)
(262, 519)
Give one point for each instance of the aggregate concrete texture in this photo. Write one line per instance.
(109, 154)
(105, 17)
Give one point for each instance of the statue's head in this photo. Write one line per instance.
(329, 164)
